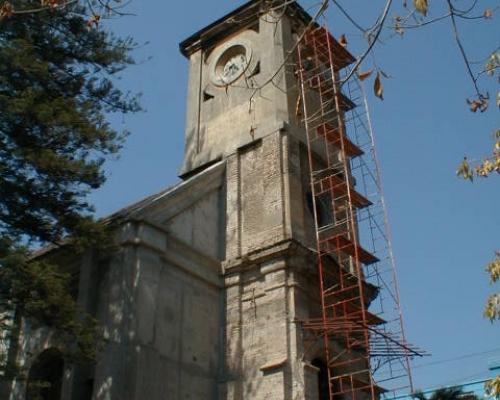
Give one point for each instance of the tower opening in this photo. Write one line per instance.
(45, 376)
(323, 391)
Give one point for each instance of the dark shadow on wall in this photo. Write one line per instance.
(322, 378)
(45, 376)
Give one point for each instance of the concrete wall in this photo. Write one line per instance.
(258, 333)
(268, 294)
(194, 212)
(256, 204)
(162, 314)
(267, 186)
(258, 132)
(201, 226)
(179, 324)
(238, 114)
(30, 341)
(159, 300)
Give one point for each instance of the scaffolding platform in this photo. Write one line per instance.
(338, 140)
(324, 46)
(337, 186)
(341, 176)
(340, 244)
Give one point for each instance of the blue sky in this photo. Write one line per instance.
(444, 230)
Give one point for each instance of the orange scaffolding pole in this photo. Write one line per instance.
(344, 173)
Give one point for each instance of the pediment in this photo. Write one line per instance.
(192, 212)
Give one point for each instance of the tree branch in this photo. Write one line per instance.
(462, 49)
(348, 16)
(321, 10)
(372, 37)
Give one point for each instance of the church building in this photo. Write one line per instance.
(207, 295)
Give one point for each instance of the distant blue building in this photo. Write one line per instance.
(475, 387)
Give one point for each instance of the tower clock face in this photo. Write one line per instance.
(231, 63)
(233, 68)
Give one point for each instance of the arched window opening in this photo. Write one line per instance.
(323, 208)
(323, 390)
(45, 376)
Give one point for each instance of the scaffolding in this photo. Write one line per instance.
(360, 324)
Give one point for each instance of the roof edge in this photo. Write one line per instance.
(225, 25)
(131, 211)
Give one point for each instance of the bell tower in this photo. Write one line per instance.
(233, 97)
(244, 108)
(264, 100)
(258, 276)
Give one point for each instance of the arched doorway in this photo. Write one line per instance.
(45, 376)
(322, 379)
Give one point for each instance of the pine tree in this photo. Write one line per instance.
(57, 88)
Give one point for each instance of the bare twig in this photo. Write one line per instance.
(372, 37)
(43, 8)
(348, 16)
(462, 49)
(423, 23)
(468, 10)
(103, 4)
(321, 10)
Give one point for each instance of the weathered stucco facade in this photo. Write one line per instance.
(204, 297)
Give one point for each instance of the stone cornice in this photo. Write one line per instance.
(279, 250)
(225, 26)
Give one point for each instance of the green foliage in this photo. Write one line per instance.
(42, 294)
(57, 88)
(36, 388)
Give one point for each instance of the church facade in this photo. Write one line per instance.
(205, 296)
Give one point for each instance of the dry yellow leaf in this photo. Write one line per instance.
(6, 10)
(421, 6)
(365, 74)
(378, 89)
(343, 41)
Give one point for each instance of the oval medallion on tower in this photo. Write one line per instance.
(230, 62)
